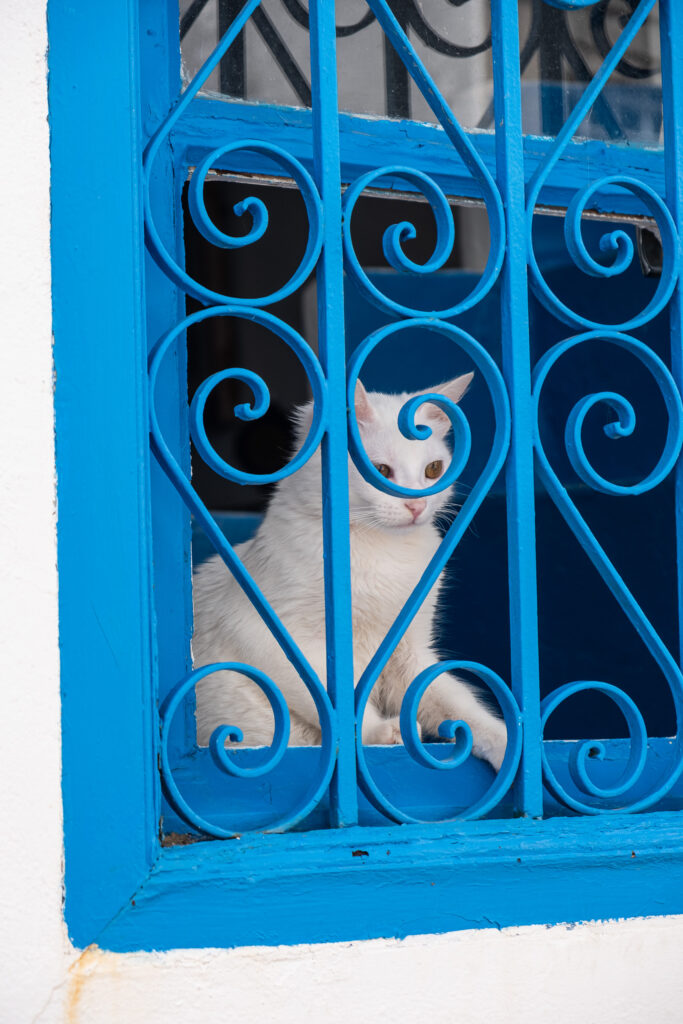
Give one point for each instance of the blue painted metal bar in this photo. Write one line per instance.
(517, 370)
(171, 528)
(332, 354)
(406, 780)
(671, 44)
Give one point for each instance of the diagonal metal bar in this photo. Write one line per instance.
(589, 97)
(583, 74)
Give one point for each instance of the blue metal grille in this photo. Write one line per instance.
(511, 184)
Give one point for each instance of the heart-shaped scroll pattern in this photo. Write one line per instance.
(252, 309)
(580, 791)
(431, 320)
(460, 731)
(231, 731)
(634, 789)
(255, 212)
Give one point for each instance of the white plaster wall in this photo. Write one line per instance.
(612, 973)
(32, 951)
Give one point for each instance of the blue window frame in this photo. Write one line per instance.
(124, 580)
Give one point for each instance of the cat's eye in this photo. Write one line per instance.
(382, 468)
(433, 470)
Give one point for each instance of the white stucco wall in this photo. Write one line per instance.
(613, 972)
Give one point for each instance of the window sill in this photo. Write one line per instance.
(402, 880)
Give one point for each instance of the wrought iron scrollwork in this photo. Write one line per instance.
(222, 756)
(183, 484)
(578, 787)
(431, 321)
(587, 796)
(399, 233)
(616, 249)
(492, 378)
(251, 309)
(252, 207)
(395, 235)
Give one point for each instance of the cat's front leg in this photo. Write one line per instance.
(449, 698)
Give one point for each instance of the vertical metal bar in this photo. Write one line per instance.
(340, 680)
(517, 370)
(671, 35)
(396, 77)
(165, 306)
(232, 66)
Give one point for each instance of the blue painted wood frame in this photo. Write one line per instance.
(123, 890)
(422, 146)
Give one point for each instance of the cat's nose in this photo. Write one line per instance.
(415, 506)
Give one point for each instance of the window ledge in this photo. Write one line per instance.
(402, 880)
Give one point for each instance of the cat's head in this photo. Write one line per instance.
(408, 463)
(414, 464)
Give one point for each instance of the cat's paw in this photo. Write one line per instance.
(490, 743)
(386, 732)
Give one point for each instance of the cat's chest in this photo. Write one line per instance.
(384, 571)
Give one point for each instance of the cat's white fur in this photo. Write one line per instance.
(391, 543)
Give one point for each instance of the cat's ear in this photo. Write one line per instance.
(302, 417)
(364, 411)
(454, 390)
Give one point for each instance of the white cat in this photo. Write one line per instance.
(392, 540)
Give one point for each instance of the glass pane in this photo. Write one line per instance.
(271, 62)
(561, 51)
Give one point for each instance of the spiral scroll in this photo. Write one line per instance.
(251, 206)
(460, 733)
(256, 210)
(586, 796)
(325, 711)
(490, 374)
(222, 758)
